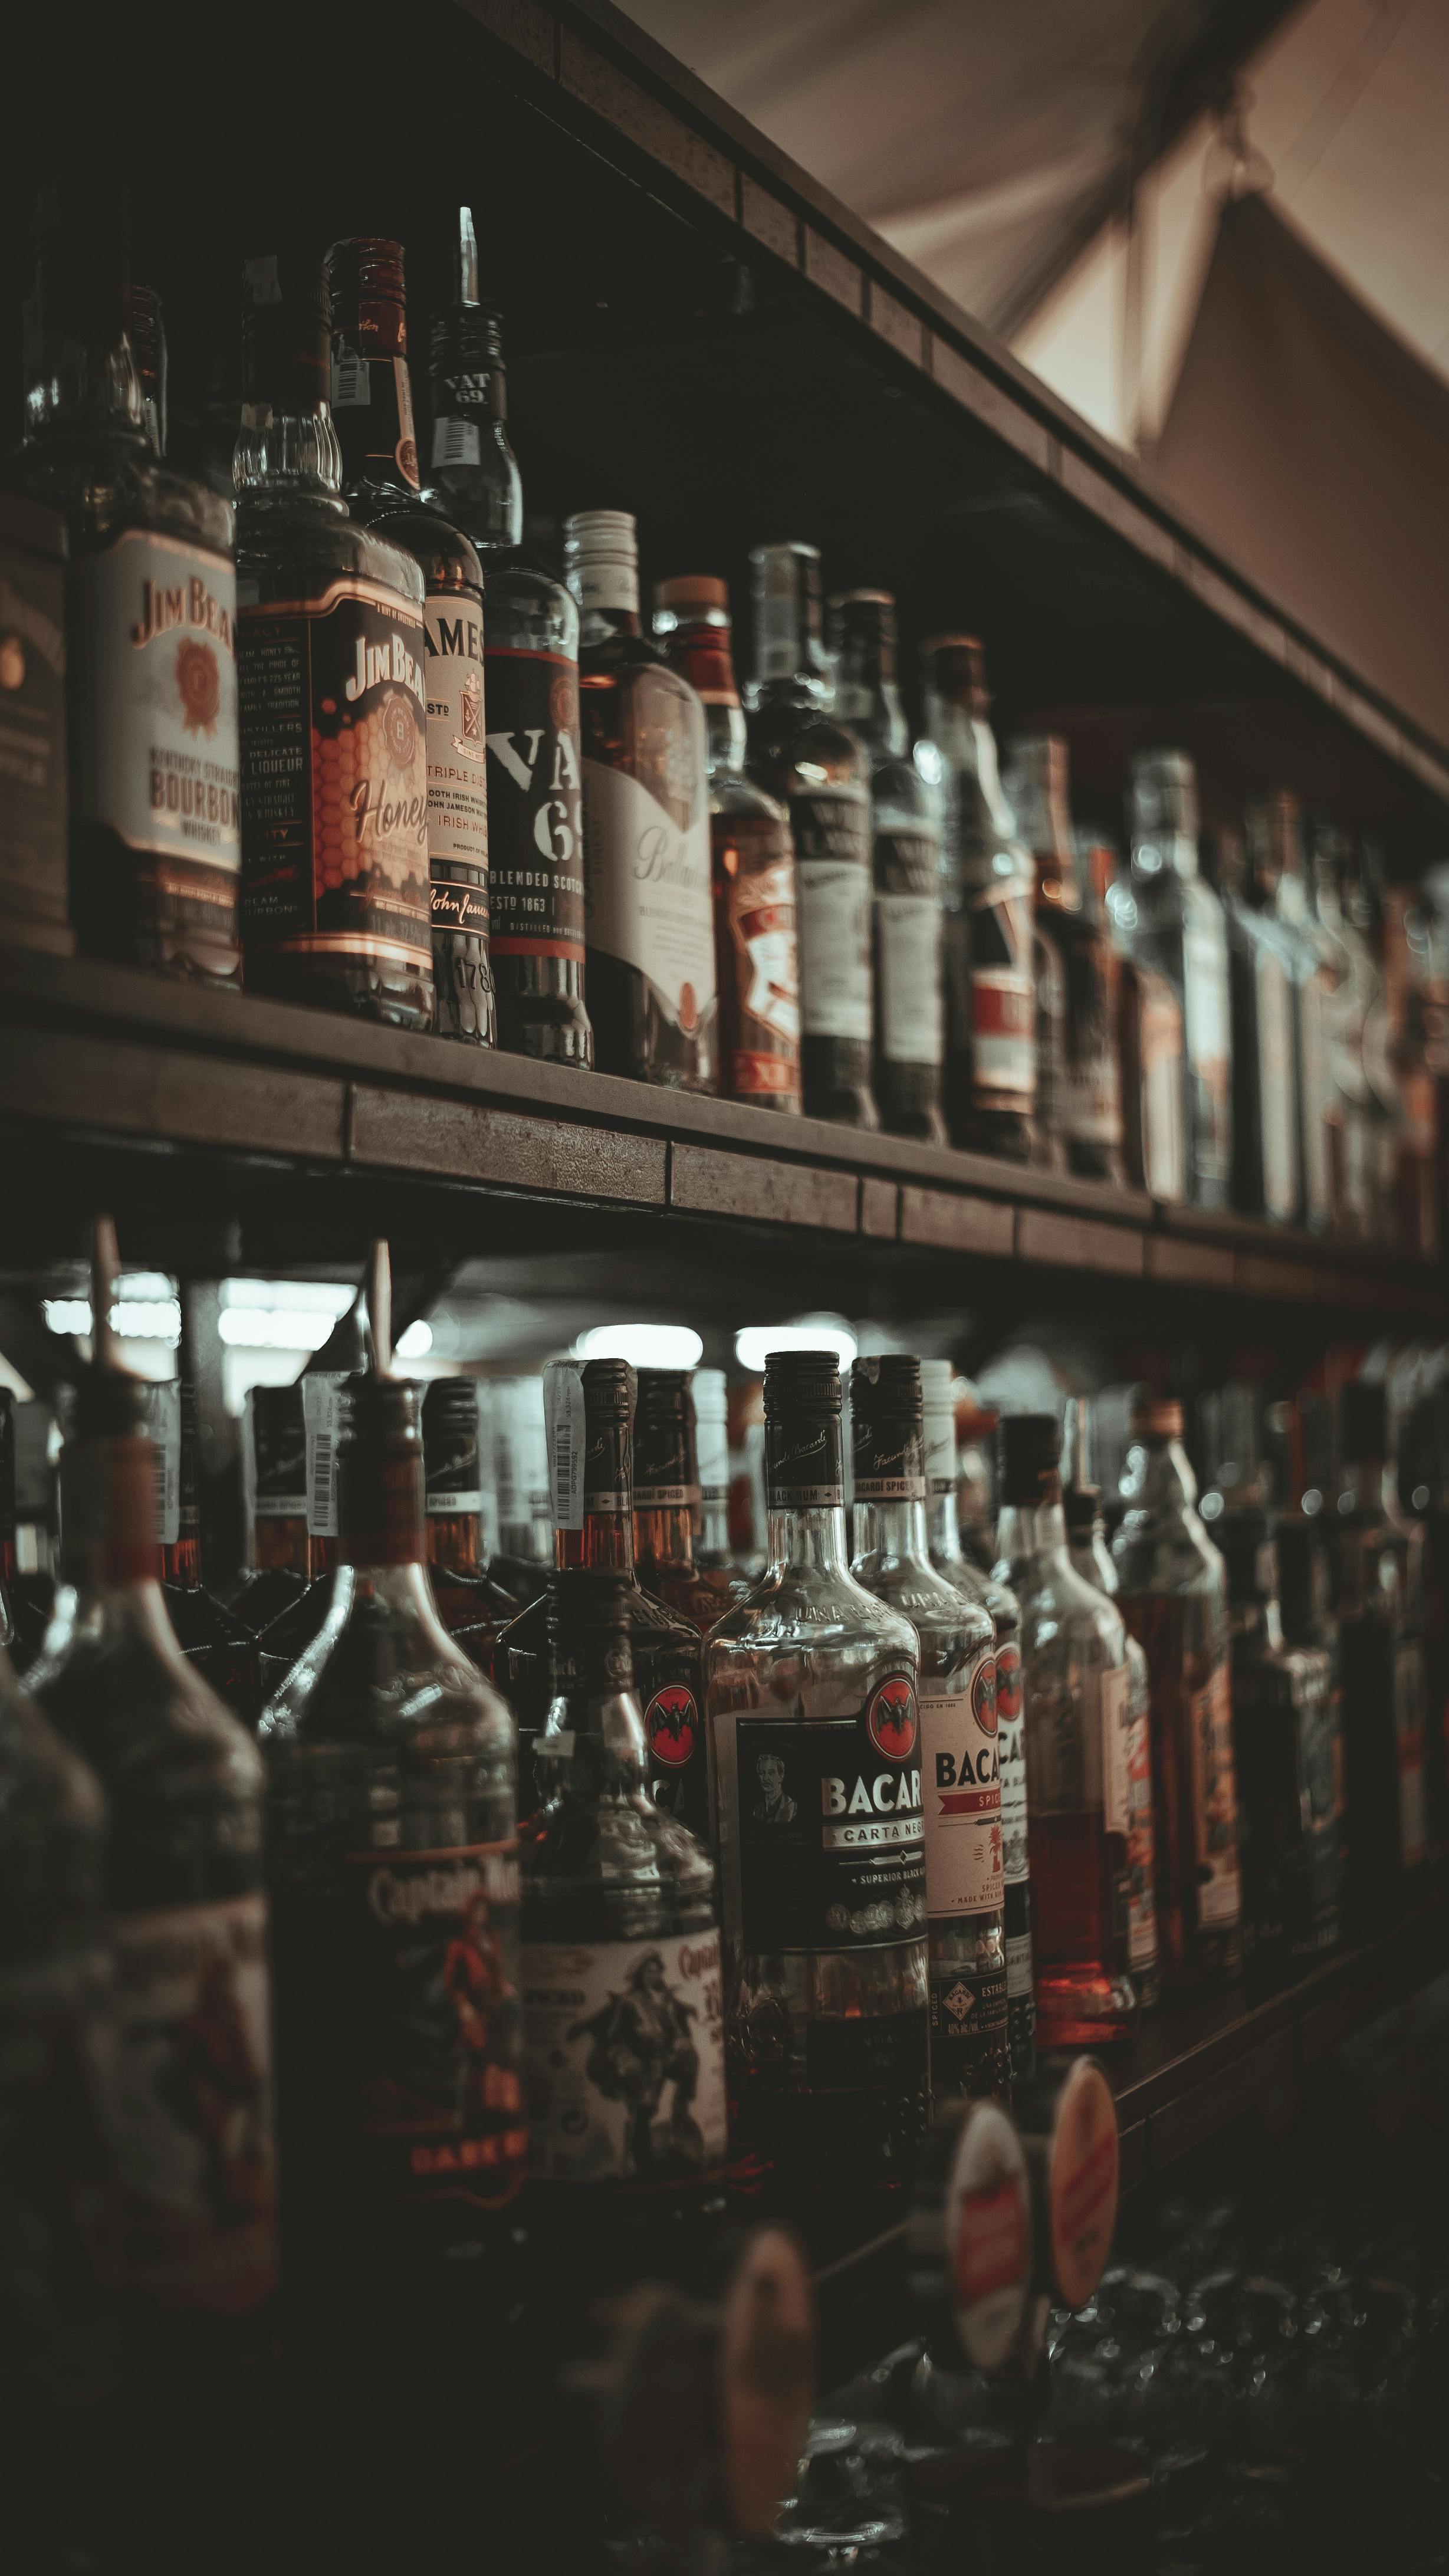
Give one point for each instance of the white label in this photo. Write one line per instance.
(564, 1432)
(1017, 1946)
(1409, 1697)
(908, 936)
(158, 758)
(1160, 1044)
(1003, 1030)
(961, 1790)
(624, 2046)
(1210, 1716)
(322, 1417)
(163, 1423)
(457, 746)
(351, 379)
(1277, 1103)
(520, 1452)
(456, 442)
(648, 883)
(833, 898)
(711, 1432)
(1116, 1751)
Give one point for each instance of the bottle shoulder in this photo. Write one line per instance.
(823, 1613)
(380, 1674)
(448, 559)
(947, 1624)
(113, 1681)
(1060, 1608)
(107, 485)
(794, 747)
(290, 545)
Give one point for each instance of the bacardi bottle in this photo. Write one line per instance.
(275, 1475)
(665, 1493)
(756, 960)
(472, 1607)
(1092, 1559)
(811, 1687)
(1288, 1758)
(1266, 1166)
(1078, 1088)
(647, 862)
(1376, 1596)
(956, 1699)
(1179, 931)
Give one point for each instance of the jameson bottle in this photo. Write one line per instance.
(714, 1555)
(1266, 1168)
(1076, 1687)
(811, 1692)
(211, 1636)
(956, 1699)
(1376, 1567)
(1173, 1595)
(275, 1471)
(589, 1415)
(1092, 1560)
(753, 864)
(800, 754)
(1288, 1756)
(910, 1027)
(1078, 1085)
(983, 1591)
(185, 2085)
(986, 879)
(524, 1502)
(472, 1607)
(151, 626)
(666, 1490)
(395, 1894)
(1179, 930)
(373, 413)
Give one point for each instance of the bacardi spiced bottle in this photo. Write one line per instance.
(151, 601)
(665, 1494)
(811, 1688)
(1376, 1565)
(373, 412)
(281, 1548)
(960, 1780)
(754, 870)
(646, 826)
(1078, 1084)
(801, 755)
(333, 666)
(472, 1607)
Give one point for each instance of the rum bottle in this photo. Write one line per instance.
(665, 1491)
(1179, 932)
(1376, 1570)
(472, 1607)
(1287, 1755)
(1078, 1091)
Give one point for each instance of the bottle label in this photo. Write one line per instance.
(967, 2004)
(279, 1469)
(457, 781)
(335, 782)
(1003, 1034)
(322, 1418)
(352, 391)
(157, 758)
(1159, 1054)
(457, 442)
(1207, 1017)
(535, 776)
(674, 1735)
(1112, 1693)
(1277, 1089)
(183, 2086)
(1409, 1730)
(566, 1434)
(625, 2044)
(648, 879)
(452, 1475)
(832, 1845)
(961, 1791)
(831, 831)
(760, 911)
(163, 1425)
(1141, 1836)
(1017, 1946)
(1215, 1801)
(908, 968)
(1011, 1753)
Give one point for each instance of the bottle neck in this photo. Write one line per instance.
(454, 1543)
(943, 1531)
(287, 443)
(593, 1745)
(664, 1539)
(596, 625)
(812, 1538)
(372, 403)
(80, 361)
(606, 1540)
(714, 1523)
(383, 1516)
(282, 1546)
(700, 650)
(866, 695)
(472, 462)
(1029, 1532)
(896, 1530)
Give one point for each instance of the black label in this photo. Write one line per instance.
(279, 1449)
(535, 830)
(832, 1849)
(451, 1470)
(831, 827)
(803, 1462)
(968, 2025)
(907, 863)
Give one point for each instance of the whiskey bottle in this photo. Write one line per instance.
(1092, 1560)
(1266, 1167)
(714, 1556)
(665, 1491)
(1287, 1754)
(982, 1590)
(753, 865)
(530, 663)
(188, 2229)
(1179, 931)
(1075, 1686)
(151, 618)
(1314, 975)
(1172, 1592)
(987, 893)
(1078, 1088)
(811, 1698)
(1377, 1600)
(332, 660)
(520, 1473)
(956, 1700)
(801, 755)
(281, 1548)
(395, 1893)
(472, 1607)
(211, 1636)
(910, 1027)
(373, 413)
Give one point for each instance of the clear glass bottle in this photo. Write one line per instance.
(335, 904)
(664, 1499)
(756, 955)
(1261, 966)
(647, 854)
(531, 686)
(1287, 1759)
(811, 1700)
(804, 757)
(472, 1607)
(1172, 1592)
(275, 1476)
(520, 1473)
(1377, 1599)
(1180, 932)
(986, 883)
(1314, 975)
(714, 1557)
(1354, 1115)
(956, 1699)
(910, 1002)
(1149, 1043)
(1075, 1684)
(1092, 1559)
(1078, 1083)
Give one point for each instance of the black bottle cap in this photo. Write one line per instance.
(1029, 1449)
(450, 1412)
(889, 1384)
(802, 1381)
(1363, 1434)
(609, 1387)
(887, 1433)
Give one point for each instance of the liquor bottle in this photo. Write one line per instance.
(472, 1607)
(1377, 1600)
(1287, 1757)
(220, 1645)
(943, 1535)
(1172, 1592)
(520, 1472)
(1180, 931)
(282, 1555)
(151, 618)
(1078, 1082)
(811, 1700)
(986, 879)
(910, 1008)
(1092, 1560)
(622, 1994)
(395, 1895)
(1314, 975)
(1266, 1167)
(801, 755)
(956, 1702)
(714, 1557)
(588, 1409)
(372, 411)
(531, 680)
(1353, 1112)
(1149, 1043)
(665, 1492)
(1075, 1686)
(1305, 1610)
(291, 1630)
(184, 2100)
(646, 826)
(753, 865)
(332, 661)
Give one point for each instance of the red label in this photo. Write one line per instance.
(1003, 1010)
(1008, 1683)
(671, 1722)
(891, 1720)
(991, 2242)
(983, 1697)
(1082, 2189)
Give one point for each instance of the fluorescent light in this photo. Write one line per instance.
(135, 1319)
(263, 1328)
(755, 1342)
(415, 1342)
(290, 1296)
(642, 1345)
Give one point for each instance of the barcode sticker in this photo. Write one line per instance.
(351, 379)
(322, 1414)
(456, 442)
(563, 1414)
(163, 1421)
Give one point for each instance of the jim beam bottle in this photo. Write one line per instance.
(811, 1692)
(960, 1780)
(373, 412)
(151, 618)
(1376, 1565)
(1173, 1595)
(394, 1863)
(333, 669)
(756, 958)
(817, 770)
